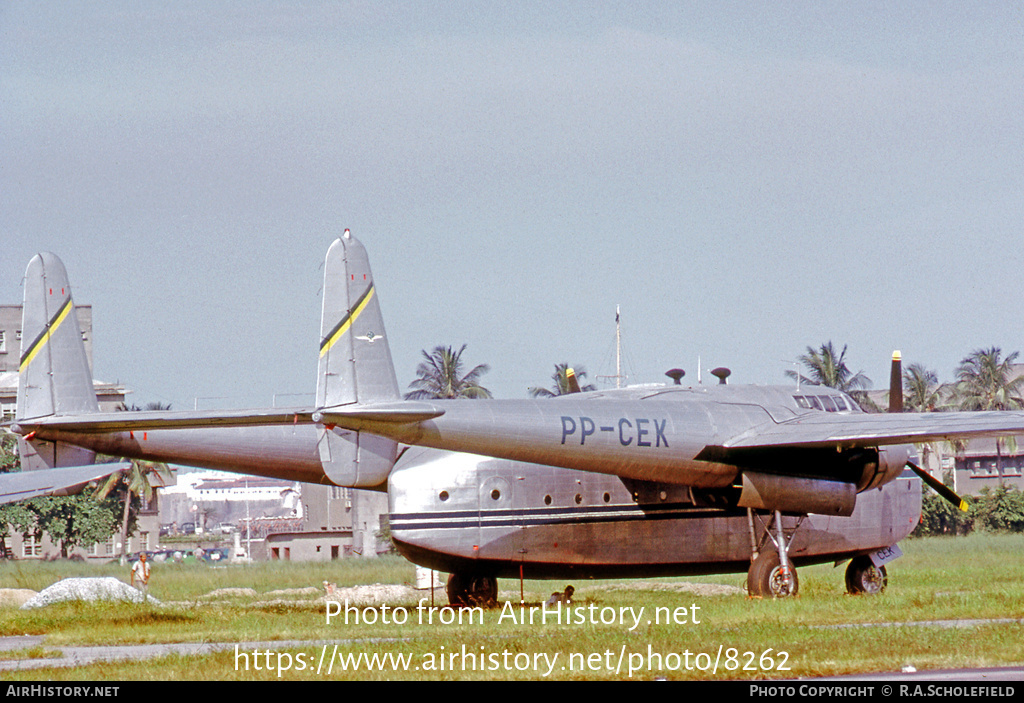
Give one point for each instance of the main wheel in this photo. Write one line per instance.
(863, 577)
(483, 591)
(472, 590)
(767, 578)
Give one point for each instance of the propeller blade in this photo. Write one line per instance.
(574, 384)
(939, 487)
(896, 384)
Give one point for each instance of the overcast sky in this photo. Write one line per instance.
(744, 179)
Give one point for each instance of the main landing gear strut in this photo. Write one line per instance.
(771, 573)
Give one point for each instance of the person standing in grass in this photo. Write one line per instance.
(140, 574)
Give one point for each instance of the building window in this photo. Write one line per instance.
(104, 549)
(32, 545)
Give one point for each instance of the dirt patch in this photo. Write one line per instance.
(15, 597)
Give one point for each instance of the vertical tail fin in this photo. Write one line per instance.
(355, 366)
(53, 376)
(355, 360)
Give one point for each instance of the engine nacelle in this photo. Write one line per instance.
(887, 464)
(794, 494)
(833, 491)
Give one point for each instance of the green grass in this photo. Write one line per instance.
(822, 631)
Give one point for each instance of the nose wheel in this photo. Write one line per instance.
(864, 578)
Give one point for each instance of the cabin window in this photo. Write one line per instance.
(607, 498)
(814, 402)
(443, 495)
(579, 499)
(840, 403)
(547, 500)
(829, 405)
(495, 494)
(802, 402)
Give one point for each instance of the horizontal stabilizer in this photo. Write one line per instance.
(63, 481)
(161, 420)
(400, 413)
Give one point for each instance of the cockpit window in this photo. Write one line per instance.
(814, 402)
(802, 402)
(840, 403)
(829, 405)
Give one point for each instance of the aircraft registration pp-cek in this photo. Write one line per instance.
(667, 480)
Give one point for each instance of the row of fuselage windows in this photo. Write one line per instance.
(828, 403)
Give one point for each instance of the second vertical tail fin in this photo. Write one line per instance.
(53, 375)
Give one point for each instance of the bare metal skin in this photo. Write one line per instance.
(654, 480)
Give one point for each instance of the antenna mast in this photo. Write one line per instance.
(618, 350)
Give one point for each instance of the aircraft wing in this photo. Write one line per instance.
(816, 430)
(63, 481)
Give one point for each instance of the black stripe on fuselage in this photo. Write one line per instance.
(456, 519)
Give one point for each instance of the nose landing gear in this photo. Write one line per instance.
(863, 577)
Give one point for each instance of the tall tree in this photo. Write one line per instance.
(921, 395)
(825, 367)
(135, 484)
(136, 487)
(440, 375)
(985, 381)
(561, 385)
(74, 520)
(920, 389)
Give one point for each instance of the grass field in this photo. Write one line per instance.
(678, 634)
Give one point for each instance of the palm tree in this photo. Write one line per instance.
(561, 379)
(921, 395)
(136, 481)
(827, 368)
(440, 376)
(985, 382)
(920, 389)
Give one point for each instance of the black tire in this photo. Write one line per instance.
(456, 588)
(767, 579)
(472, 590)
(483, 591)
(864, 578)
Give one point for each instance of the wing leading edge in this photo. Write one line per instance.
(866, 430)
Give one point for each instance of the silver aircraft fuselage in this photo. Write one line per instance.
(468, 513)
